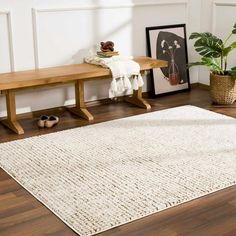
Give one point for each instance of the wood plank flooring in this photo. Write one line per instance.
(213, 215)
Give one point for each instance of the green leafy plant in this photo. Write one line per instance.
(214, 52)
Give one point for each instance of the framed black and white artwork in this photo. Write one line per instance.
(169, 43)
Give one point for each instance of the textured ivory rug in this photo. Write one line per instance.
(100, 176)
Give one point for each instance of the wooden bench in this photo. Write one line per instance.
(77, 74)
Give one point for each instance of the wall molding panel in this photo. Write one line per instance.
(222, 3)
(10, 38)
(35, 37)
(130, 5)
(36, 15)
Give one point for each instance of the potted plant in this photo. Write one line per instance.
(214, 54)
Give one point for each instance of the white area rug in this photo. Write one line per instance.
(104, 175)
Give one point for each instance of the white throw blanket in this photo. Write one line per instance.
(125, 73)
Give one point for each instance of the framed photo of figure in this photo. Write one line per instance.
(169, 43)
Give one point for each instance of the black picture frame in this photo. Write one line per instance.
(168, 43)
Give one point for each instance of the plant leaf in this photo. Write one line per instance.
(228, 49)
(234, 31)
(212, 63)
(198, 35)
(207, 44)
(194, 35)
(232, 72)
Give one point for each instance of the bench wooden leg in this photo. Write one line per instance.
(80, 108)
(11, 121)
(137, 99)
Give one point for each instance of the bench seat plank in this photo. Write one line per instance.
(64, 74)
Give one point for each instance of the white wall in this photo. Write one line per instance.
(43, 33)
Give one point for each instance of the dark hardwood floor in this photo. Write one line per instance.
(213, 215)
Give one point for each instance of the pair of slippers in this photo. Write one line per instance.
(47, 121)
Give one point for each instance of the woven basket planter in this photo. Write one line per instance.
(222, 89)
